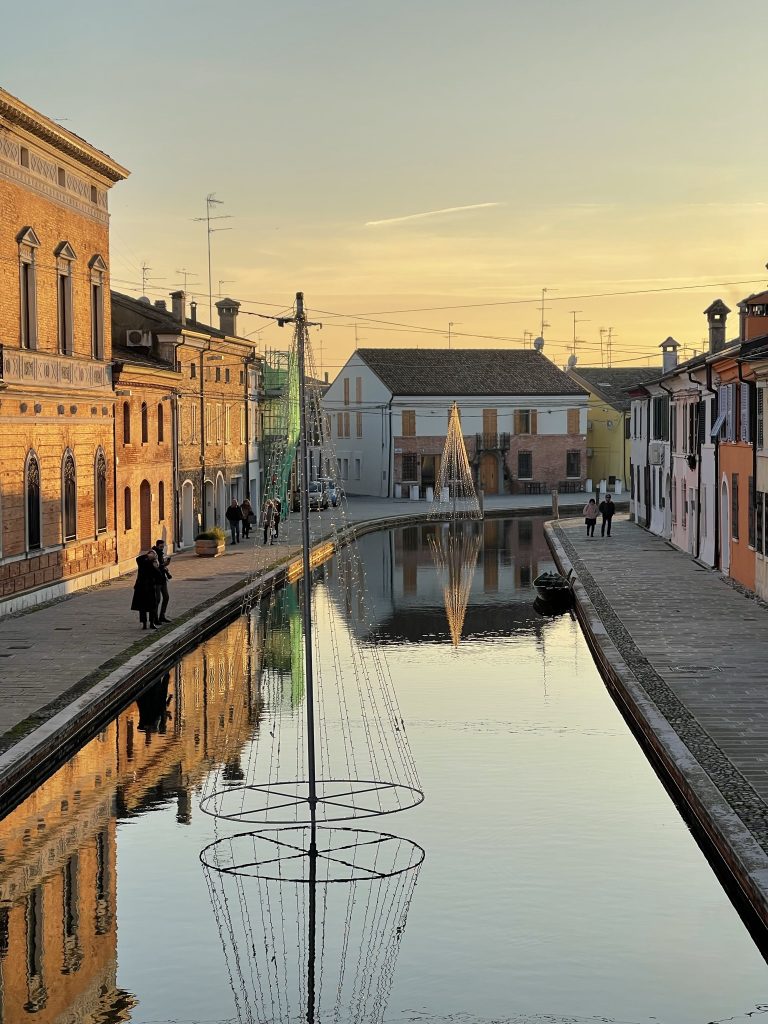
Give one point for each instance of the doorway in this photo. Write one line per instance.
(489, 473)
(430, 472)
(221, 501)
(187, 514)
(145, 514)
(725, 529)
(208, 508)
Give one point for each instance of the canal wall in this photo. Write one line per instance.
(713, 816)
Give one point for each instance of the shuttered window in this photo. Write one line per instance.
(751, 512)
(525, 421)
(745, 434)
(409, 423)
(735, 506)
(759, 406)
(573, 421)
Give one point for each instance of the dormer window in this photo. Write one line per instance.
(28, 243)
(65, 258)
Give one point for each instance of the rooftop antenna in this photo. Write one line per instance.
(527, 339)
(451, 325)
(542, 308)
(210, 202)
(574, 312)
(609, 346)
(603, 332)
(224, 280)
(145, 272)
(185, 274)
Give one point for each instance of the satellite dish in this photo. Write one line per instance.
(572, 360)
(538, 344)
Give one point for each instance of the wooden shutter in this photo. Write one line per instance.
(489, 421)
(409, 423)
(518, 422)
(573, 421)
(760, 397)
(744, 431)
(534, 422)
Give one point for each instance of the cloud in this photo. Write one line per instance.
(430, 213)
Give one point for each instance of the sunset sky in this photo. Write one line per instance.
(387, 157)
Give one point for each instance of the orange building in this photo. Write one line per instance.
(57, 524)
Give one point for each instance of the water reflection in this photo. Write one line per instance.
(455, 550)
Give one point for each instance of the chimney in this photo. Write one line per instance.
(178, 306)
(160, 304)
(716, 315)
(669, 354)
(193, 312)
(228, 316)
(326, 376)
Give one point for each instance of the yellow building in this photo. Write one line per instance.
(608, 412)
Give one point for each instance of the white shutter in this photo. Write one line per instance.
(722, 407)
(730, 433)
(744, 419)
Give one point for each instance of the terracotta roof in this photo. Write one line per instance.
(750, 300)
(432, 371)
(162, 319)
(611, 384)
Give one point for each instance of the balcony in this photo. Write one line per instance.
(491, 442)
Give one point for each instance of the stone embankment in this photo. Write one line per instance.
(686, 658)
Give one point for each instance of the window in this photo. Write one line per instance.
(674, 499)
(127, 508)
(61, 177)
(358, 389)
(759, 524)
(346, 391)
(242, 424)
(98, 271)
(346, 424)
(94, 194)
(525, 421)
(410, 469)
(735, 506)
(194, 424)
(359, 424)
(69, 496)
(226, 376)
(160, 502)
(673, 428)
(525, 465)
(627, 426)
(24, 156)
(653, 487)
(126, 423)
(573, 421)
(409, 423)
(751, 513)
(218, 374)
(631, 482)
(32, 494)
(340, 424)
(65, 257)
(573, 464)
(683, 503)
(219, 412)
(28, 246)
(745, 425)
(660, 421)
(144, 423)
(227, 425)
(160, 423)
(208, 423)
(358, 468)
(193, 370)
(101, 491)
(242, 376)
(759, 410)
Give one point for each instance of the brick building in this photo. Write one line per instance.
(57, 509)
(524, 420)
(213, 411)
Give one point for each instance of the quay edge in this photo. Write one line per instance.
(738, 852)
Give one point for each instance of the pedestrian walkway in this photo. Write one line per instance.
(697, 646)
(49, 652)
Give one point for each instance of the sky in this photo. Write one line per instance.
(419, 163)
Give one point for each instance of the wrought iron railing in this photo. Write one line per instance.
(490, 442)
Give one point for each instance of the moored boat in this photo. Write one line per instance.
(553, 588)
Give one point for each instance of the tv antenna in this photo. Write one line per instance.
(451, 325)
(185, 274)
(224, 280)
(210, 202)
(145, 272)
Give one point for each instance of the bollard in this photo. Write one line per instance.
(555, 504)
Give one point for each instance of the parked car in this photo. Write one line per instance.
(334, 491)
(318, 495)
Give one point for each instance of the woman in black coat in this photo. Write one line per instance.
(146, 589)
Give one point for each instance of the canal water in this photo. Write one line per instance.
(559, 882)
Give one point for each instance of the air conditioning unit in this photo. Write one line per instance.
(656, 453)
(589, 453)
(138, 339)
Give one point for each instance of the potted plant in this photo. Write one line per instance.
(210, 543)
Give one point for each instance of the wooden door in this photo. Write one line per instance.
(489, 473)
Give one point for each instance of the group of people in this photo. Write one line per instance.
(150, 591)
(239, 516)
(606, 509)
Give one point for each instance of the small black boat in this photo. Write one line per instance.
(554, 589)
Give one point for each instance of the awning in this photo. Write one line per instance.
(717, 426)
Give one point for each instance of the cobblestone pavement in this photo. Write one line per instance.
(47, 651)
(698, 647)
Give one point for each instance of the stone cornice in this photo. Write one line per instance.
(14, 112)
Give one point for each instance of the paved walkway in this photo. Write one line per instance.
(47, 651)
(697, 646)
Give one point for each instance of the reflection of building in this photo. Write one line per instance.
(58, 877)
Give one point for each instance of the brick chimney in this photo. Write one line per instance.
(228, 316)
(669, 349)
(716, 315)
(178, 306)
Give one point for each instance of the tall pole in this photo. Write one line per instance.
(211, 200)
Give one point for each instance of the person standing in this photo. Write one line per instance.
(146, 589)
(266, 518)
(234, 518)
(247, 509)
(278, 508)
(163, 563)
(590, 516)
(607, 508)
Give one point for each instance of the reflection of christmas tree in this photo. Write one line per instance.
(455, 496)
(455, 555)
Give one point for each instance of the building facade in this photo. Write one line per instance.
(57, 507)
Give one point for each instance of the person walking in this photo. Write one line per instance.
(234, 518)
(163, 563)
(247, 509)
(607, 508)
(266, 518)
(146, 589)
(590, 516)
(278, 508)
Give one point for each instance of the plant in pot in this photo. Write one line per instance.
(210, 543)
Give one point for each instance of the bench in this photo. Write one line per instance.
(532, 486)
(570, 486)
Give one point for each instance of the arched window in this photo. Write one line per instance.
(126, 423)
(100, 472)
(160, 424)
(160, 502)
(32, 495)
(68, 496)
(144, 423)
(127, 508)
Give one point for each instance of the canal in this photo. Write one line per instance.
(559, 882)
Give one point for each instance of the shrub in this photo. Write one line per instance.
(215, 533)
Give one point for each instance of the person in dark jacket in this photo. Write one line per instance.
(247, 509)
(267, 513)
(146, 589)
(278, 508)
(234, 518)
(163, 562)
(607, 508)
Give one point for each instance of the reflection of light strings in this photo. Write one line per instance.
(455, 557)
